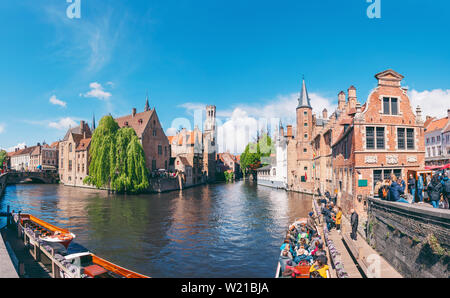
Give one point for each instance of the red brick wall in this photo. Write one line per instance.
(150, 144)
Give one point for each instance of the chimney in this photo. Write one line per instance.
(281, 131)
(419, 113)
(134, 112)
(325, 114)
(429, 117)
(81, 126)
(341, 100)
(289, 131)
(352, 96)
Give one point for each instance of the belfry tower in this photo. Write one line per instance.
(210, 143)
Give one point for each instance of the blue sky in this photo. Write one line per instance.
(239, 55)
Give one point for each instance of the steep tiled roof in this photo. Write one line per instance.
(77, 130)
(83, 145)
(438, 124)
(77, 138)
(138, 122)
(190, 138)
(36, 150)
(428, 121)
(24, 151)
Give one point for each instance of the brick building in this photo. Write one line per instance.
(187, 149)
(74, 155)
(151, 135)
(20, 159)
(299, 147)
(322, 152)
(210, 144)
(44, 157)
(198, 150)
(228, 162)
(373, 141)
(437, 141)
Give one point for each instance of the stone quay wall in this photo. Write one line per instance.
(3, 179)
(414, 238)
(164, 184)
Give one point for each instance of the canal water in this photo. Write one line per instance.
(222, 230)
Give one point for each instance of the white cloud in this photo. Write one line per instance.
(2, 128)
(92, 42)
(18, 146)
(63, 124)
(237, 127)
(246, 120)
(237, 132)
(55, 101)
(171, 131)
(433, 103)
(97, 92)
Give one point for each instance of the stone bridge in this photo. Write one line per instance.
(40, 177)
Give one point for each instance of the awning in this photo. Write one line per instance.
(45, 167)
(442, 167)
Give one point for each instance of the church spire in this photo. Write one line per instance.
(303, 100)
(147, 107)
(93, 121)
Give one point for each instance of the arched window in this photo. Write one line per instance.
(70, 147)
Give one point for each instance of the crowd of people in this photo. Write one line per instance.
(437, 189)
(304, 247)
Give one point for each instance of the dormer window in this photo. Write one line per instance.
(390, 106)
(140, 121)
(126, 123)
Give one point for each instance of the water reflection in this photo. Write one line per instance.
(225, 230)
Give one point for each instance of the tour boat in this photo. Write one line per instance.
(88, 265)
(76, 259)
(297, 223)
(47, 232)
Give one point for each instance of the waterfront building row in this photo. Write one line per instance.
(348, 152)
(35, 158)
(437, 141)
(193, 154)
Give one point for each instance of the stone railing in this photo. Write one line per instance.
(413, 238)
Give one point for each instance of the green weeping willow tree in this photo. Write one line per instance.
(117, 159)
